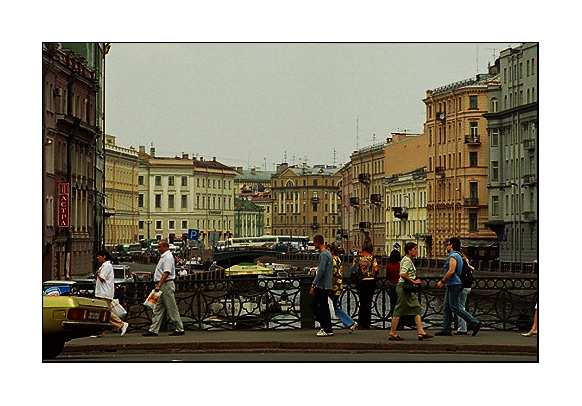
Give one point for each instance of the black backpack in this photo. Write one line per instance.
(466, 275)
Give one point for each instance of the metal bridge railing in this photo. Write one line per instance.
(284, 303)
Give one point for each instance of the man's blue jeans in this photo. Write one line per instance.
(451, 305)
(341, 313)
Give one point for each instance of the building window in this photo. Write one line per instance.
(473, 159)
(494, 171)
(140, 180)
(184, 224)
(158, 180)
(472, 221)
(171, 224)
(158, 224)
(140, 200)
(495, 137)
(170, 201)
(494, 105)
(473, 102)
(184, 204)
(184, 181)
(170, 181)
(141, 224)
(495, 205)
(158, 201)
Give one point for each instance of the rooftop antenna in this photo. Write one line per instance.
(285, 157)
(334, 153)
(265, 161)
(357, 133)
(373, 138)
(477, 58)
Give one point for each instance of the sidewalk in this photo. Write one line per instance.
(486, 342)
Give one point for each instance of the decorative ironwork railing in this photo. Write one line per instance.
(284, 303)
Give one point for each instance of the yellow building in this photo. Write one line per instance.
(121, 194)
(457, 166)
(305, 201)
(181, 193)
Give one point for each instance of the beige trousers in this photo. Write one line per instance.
(116, 321)
(167, 303)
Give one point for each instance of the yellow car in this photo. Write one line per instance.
(67, 317)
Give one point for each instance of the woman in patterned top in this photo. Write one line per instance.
(337, 288)
(407, 303)
(367, 285)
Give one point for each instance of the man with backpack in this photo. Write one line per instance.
(452, 282)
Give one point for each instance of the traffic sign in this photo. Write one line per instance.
(193, 234)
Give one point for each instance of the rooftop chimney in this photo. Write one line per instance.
(184, 155)
(142, 149)
(214, 159)
(152, 151)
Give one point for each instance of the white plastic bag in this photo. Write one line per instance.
(331, 308)
(153, 299)
(118, 309)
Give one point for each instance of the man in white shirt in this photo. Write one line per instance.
(165, 274)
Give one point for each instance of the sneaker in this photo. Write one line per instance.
(442, 333)
(149, 334)
(324, 334)
(124, 328)
(100, 335)
(461, 333)
(353, 327)
(177, 333)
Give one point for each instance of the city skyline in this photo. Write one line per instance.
(275, 102)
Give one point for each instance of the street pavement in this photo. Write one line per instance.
(305, 341)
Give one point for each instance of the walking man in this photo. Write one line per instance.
(321, 288)
(452, 282)
(165, 274)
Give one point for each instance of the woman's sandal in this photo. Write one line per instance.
(423, 336)
(530, 333)
(395, 338)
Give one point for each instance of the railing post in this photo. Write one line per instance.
(307, 319)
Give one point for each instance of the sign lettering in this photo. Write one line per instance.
(63, 217)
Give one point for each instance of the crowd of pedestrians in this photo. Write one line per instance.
(327, 288)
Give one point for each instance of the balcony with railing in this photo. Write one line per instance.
(376, 198)
(529, 143)
(474, 139)
(401, 213)
(471, 202)
(529, 179)
(439, 171)
(365, 225)
(364, 178)
(354, 201)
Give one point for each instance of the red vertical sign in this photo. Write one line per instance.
(63, 204)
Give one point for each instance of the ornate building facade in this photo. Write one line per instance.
(457, 167)
(181, 193)
(121, 194)
(512, 124)
(305, 201)
(71, 141)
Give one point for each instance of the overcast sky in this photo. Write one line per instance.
(250, 104)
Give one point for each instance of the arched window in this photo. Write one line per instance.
(494, 105)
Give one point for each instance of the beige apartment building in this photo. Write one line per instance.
(181, 193)
(305, 201)
(457, 166)
(366, 208)
(121, 193)
(406, 210)
(405, 191)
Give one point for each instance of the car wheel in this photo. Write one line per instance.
(52, 348)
